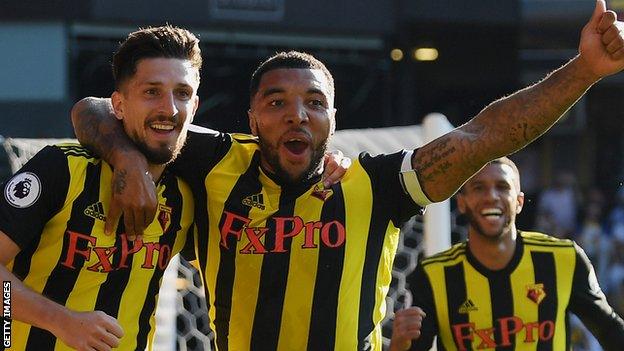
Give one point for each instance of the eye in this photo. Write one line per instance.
(151, 91)
(276, 103)
(184, 94)
(317, 103)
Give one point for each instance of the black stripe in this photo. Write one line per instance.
(374, 247)
(62, 279)
(544, 270)
(322, 334)
(21, 263)
(173, 199)
(274, 277)
(501, 297)
(246, 185)
(454, 276)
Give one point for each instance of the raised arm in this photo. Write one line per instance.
(79, 330)
(509, 124)
(97, 128)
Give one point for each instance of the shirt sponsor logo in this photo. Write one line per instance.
(81, 246)
(23, 190)
(331, 234)
(507, 326)
(536, 292)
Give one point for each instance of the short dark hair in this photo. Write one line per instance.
(503, 161)
(290, 59)
(154, 42)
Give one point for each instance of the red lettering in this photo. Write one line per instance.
(72, 249)
(164, 256)
(506, 331)
(487, 341)
(228, 223)
(149, 254)
(136, 246)
(340, 234)
(460, 336)
(103, 255)
(280, 231)
(530, 327)
(254, 240)
(546, 330)
(309, 234)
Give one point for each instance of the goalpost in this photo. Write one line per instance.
(181, 315)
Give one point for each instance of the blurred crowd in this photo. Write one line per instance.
(595, 220)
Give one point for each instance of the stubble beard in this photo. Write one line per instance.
(479, 230)
(271, 155)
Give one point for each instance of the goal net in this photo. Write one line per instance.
(181, 316)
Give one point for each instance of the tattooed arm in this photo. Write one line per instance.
(106, 137)
(509, 124)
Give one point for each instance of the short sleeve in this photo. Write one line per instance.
(34, 195)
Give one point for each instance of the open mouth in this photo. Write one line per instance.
(159, 127)
(492, 213)
(296, 146)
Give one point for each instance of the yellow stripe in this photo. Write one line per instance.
(565, 260)
(478, 291)
(247, 275)
(295, 325)
(358, 200)
(435, 273)
(523, 307)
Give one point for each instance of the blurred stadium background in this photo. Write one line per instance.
(393, 61)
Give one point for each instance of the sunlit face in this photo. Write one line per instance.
(491, 199)
(156, 106)
(293, 115)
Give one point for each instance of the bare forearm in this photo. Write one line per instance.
(97, 129)
(505, 126)
(30, 307)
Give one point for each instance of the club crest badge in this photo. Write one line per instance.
(536, 292)
(321, 193)
(164, 217)
(23, 190)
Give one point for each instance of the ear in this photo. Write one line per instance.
(519, 202)
(461, 203)
(253, 124)
(117, 100)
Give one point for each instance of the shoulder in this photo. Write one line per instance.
(541, 239)
(453, 255)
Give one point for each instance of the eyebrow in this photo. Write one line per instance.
(271, 91)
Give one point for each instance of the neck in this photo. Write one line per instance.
(493, 253)
(156, 171)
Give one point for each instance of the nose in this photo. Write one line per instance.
(297, 113)
(168, 105)
(492, 194)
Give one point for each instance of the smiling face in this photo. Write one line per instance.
(292, 113)
(491, 199)
(157, 104)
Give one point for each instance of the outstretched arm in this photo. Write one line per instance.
(79, 330)
(509, 124)
(134, 192)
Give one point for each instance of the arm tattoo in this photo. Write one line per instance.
(119, 184)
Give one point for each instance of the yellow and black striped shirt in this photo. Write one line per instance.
(521, 307)
(65, 254)
(293, 267)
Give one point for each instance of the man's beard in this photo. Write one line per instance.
(271, 156)
(161, 155)
(474, 223)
